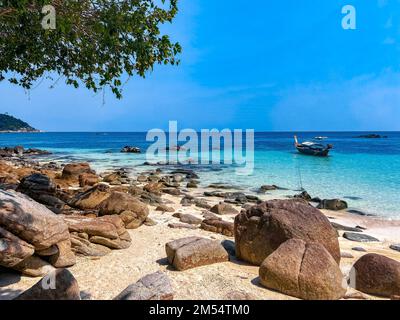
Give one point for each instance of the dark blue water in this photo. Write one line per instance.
(364, 169)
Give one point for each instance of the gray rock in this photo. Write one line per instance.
(333, 204)
(359, 249)
(155, 286)
(181, 226)
(229, 247)
(190, 219)
(338, 226)
(201, 203)
(346, 255)
(395, 247)
(359, 237)
(359, 213)
(172, 191)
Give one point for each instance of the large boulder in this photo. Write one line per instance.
(191, 252)
(90, 199)
(42, 189)
(31, 221)
(133, 212)
(261, 229)
(155, 286)
(303, 270)
(37, 184)
(72, 171)
(376, 274)
(58, 285)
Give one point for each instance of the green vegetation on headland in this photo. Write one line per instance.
(10, 124)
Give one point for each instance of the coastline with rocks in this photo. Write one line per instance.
(162, 234)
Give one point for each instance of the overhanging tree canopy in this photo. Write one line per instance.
(95, 41)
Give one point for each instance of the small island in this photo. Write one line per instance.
(10, 124)
(372, 136)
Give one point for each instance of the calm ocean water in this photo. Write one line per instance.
(365, 172)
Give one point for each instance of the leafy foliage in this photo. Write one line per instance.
(95, 43)
(9, 123)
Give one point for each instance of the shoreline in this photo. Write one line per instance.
(104, 277)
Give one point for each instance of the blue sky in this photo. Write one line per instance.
(274, 65)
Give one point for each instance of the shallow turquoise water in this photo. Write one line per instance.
(366, 170)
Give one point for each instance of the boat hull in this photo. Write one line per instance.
(311, 152)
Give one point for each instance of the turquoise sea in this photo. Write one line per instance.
(364, 172)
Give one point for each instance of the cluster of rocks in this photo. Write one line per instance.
(19, 151)
(32, 238)
(328, 204)
(45, 224)
(129, 149)
(51, 214)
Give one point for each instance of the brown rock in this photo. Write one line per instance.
(218, 226)
(142, 178)
(193, 252)
(239, 295)
(164, 208)
(13, 250)
(31, 221)
(303, 270)
(34, 266)
(181, 226)
(84, 247)
(154, 187)
(47, 252)
(135, 190)
(111, 243)
(224, 208)
(210, 216)
(90, 199)
(377, 275)
(88, 179)
(119, 203)
(72, 171)
(149, 222)
(91, 226)
(155, 286)
(112, 178)
(260, 230)
(64, 256)
(187, 218)
(172, 191)
(58, 285)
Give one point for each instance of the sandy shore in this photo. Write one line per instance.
(106, 277)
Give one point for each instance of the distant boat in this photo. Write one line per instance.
(312, 148)
(320, 138)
